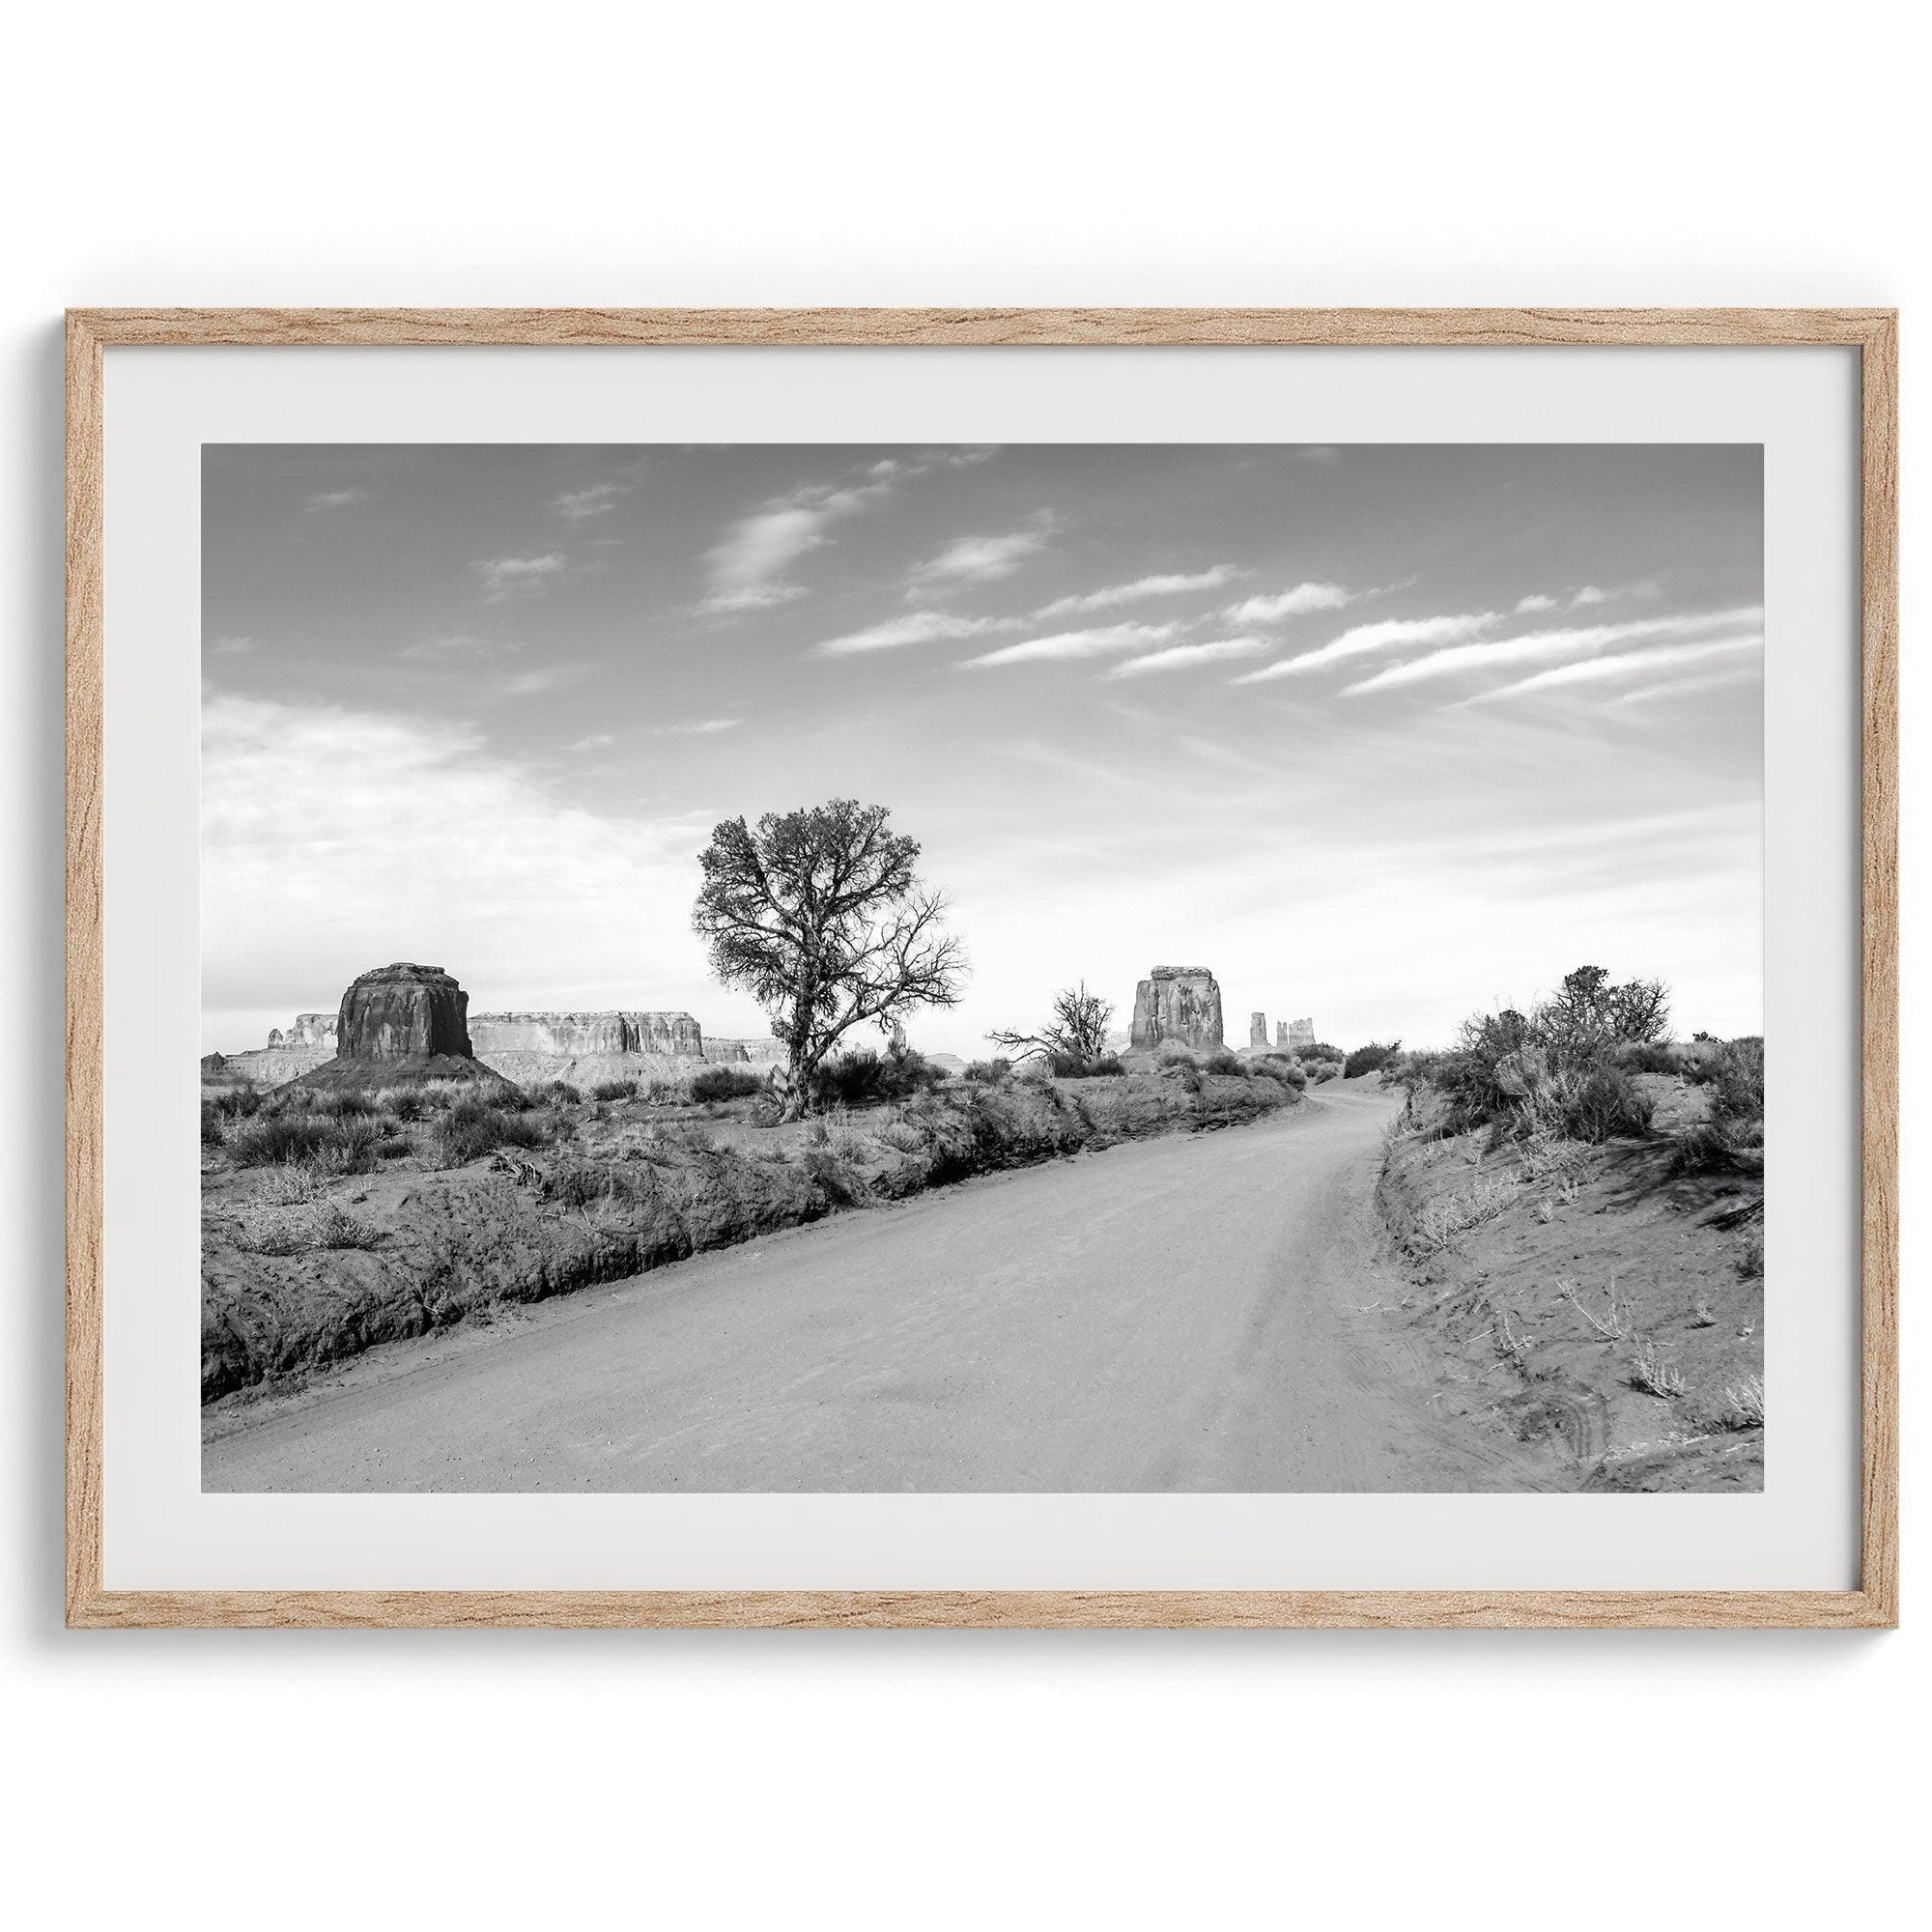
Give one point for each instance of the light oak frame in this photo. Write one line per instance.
(1872, 332)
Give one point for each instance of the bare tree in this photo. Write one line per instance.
(1589, 1012)
(819, 916)
(1078, 1027)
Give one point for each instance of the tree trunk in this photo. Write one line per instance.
(795, 1084)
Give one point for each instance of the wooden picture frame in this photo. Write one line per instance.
(1871, 332)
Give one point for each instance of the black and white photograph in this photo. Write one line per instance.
(1145, 968)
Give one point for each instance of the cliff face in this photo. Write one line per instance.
(396, 1009)
(309, 1030)
(1181, 1003)
(577, 1036)
(763, 1052)
(401, 1012)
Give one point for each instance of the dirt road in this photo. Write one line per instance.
(1188, 1314)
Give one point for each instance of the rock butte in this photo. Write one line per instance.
(1258, 1030)
(398, 1026)
(1178, 1003)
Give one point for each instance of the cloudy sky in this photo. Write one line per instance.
(1379, 734)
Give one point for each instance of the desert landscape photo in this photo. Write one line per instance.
(1142, 968)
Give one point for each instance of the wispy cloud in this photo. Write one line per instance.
(505, 576)
(1296, 602)
(597, 741)
(702, 728)
(1388, 635)
(1623, 663)
(1182, 657)
(1536, 645)
(547, 678)
(578, 506)
(918, 626)
(334, 500)
(1681, 687)
(1539, 601)
(748, 566)
(983, 560)
(1061, 645)
(232, 647)
(1111, 596)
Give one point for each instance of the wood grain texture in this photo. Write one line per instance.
(929, 328)
(984, 1610)
(90, 1604)
(1879, 966)
(85, 1009)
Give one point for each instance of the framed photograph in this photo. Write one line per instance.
(1001, 968)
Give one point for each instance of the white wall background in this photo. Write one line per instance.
(215, 153)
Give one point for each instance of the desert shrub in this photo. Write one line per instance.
(473, 1128)
(332, 1106)
(1370, 1058)
(1079, 1066)
(1715, 1146)
(336, 1228)
(1172, 1053)
(1223, 1060)
(1283, 1067)
(1737, 1080)
(1601, 1104)
(211, 1135)
(989, 1070)
(1412, 1069)
(438, 1097)
(1184, 1070)
(614, 1089)
(301, 1230)
(393, 1147)
(1318, 1049)
(557, 1093)
(234, 1103)
(341, 1146)
(1563, 1069)
(1647, 1055)
(291, 1185)
(723, 1083)
(404, 1103)
(861, 1077)
(1317, 1070)
(903, 1138)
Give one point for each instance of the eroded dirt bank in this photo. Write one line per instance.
(1590, 1296)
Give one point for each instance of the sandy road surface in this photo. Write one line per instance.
(1185, 1314)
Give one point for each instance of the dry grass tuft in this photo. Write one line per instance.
(1614, 1325)
(1653, 1372)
